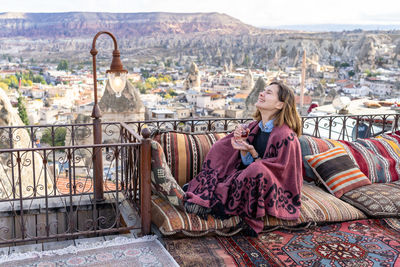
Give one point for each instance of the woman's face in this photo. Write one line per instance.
(268, 99)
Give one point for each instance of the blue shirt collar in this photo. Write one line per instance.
(269, 125)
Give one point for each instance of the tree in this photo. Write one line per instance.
(4, 86)
(153, 81)
(11, 81)
(59, 136)
(22, 111)
(145, 73)
(172, 92)
(63, 65)
(246, 61)
(141, 87)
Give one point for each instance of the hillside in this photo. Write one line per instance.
(180, 38)
(73, 24)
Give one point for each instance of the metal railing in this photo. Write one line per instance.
(47, 192)
(340, 127)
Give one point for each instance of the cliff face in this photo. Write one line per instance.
(71, 24)
(212, 38)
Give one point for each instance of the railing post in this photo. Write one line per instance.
(145, 179)
(98, 161)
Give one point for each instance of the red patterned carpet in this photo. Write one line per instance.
(358, 243)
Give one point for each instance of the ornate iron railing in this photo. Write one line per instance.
(342, 127)
(46, 192)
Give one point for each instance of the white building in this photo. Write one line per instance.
(161, 114)
(293, 80)
(33, 109)
(378, 87)
(331, 75)
(357, 91)
(206, 101)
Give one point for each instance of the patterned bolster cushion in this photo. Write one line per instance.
(317, 206)
(162, 181)
(376, 200)
(185, 153)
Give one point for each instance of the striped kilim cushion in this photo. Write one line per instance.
(185, 153)
(311, 146)
(316, 206)
(337, 171)
(171, 220)
(378, 158)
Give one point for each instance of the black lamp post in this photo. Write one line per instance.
(117, 78)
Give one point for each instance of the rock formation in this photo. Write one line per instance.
(193, 79)
(210, 37)
(70, 24)
(248, 81)
(253, 96)
(127, 107)
(226, 69)
(231, 67)
(128, 102)
(20, 139)
(366, 55)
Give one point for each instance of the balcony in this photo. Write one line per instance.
(48, 192)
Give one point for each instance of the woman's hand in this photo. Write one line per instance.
(237, 133)
(241, 145)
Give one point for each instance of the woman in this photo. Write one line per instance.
(255, 175)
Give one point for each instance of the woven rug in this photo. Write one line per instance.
(357, 243)
(121, 251)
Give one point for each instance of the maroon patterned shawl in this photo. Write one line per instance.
(270, 186)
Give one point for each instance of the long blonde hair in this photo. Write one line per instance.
(288, 114)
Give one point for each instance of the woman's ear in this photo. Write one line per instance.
(279, 105)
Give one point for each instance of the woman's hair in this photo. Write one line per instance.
(288, 114)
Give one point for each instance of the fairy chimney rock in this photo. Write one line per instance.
(127, 107)
(247, 82)
(193, 78)
(253, 96)
(20, 139)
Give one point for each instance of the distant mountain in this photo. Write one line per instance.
(71, 24)
(179, 39)
(336, 27)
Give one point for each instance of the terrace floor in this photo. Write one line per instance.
(368, 242)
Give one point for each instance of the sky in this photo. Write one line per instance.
(260, 13)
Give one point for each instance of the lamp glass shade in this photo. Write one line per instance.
(117, 82)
